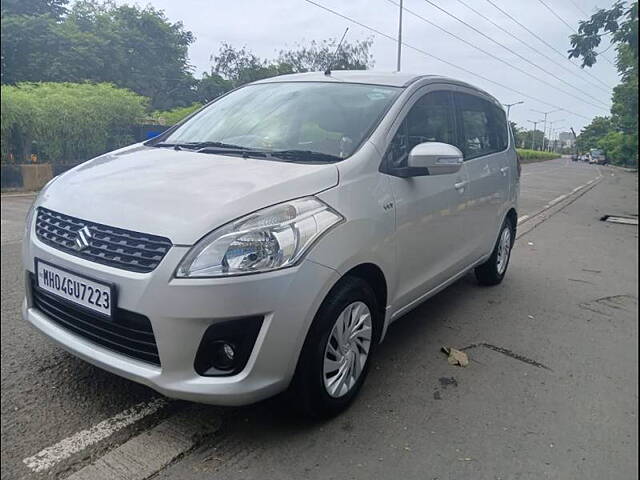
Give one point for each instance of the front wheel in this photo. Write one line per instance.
(493, 270)
(336, 354)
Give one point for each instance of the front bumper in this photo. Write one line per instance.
(180, 310)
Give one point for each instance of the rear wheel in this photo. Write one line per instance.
(494, 269)
(336, 354)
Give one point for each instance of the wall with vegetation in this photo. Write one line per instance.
(66, 122)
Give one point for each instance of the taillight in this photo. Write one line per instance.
(519, 162)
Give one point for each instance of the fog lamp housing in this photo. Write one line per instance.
(226, 346)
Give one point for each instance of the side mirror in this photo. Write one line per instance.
(437, 158)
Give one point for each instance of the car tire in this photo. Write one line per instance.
(311, 389)
(492, 271)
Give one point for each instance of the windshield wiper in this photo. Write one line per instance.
(305, 155)
(200, 145)
(229, 148)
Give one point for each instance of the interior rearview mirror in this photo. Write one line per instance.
(437, 158)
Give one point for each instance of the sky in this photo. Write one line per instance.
(265, 27)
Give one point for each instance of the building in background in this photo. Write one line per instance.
(566, 140)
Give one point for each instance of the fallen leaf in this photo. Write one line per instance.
(456, 357)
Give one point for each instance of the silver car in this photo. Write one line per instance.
(266, 242)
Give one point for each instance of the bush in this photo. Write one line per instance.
(171, 117)
(66, 122)
(620, 148)
(530, 155)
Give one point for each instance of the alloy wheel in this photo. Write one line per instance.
(347, 349)
(504, 250)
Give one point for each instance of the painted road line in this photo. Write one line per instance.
(146, 454)
(49, 457)
(556, 200)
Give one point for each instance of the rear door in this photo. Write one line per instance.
(431, 223)
(484, 141)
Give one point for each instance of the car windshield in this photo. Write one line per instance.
(331, 119)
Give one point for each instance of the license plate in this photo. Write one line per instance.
(78, 289)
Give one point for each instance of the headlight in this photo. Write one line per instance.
(269, 239)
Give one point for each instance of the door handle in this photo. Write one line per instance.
(460, 185)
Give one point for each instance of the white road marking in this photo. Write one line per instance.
(50, 456)
(146, 454)
(556, 200)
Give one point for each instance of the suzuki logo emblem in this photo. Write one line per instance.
(82, 239)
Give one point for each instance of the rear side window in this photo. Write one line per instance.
(483, 126)
(430, 119)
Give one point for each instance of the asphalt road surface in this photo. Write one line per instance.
(551, 391)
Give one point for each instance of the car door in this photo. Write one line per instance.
(484, 141)
(431, 221)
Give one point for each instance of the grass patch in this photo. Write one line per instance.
(529, 156)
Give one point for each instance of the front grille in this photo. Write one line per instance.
(127, 332)
(137, 252)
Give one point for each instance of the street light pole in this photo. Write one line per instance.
(551, 126)
(399, 35)
(545, 122)
(533, 134)
(509, 105)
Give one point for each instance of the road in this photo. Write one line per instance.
(551, 391)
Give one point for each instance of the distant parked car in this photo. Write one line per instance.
(597, 157)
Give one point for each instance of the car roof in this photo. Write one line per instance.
(391, 79)
(369, 77)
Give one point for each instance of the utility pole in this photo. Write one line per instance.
(509, 105)
(545, 121)
(575, 145)
(399, 35)
(533, 134)
(551, 127)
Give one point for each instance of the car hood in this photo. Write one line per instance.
(181, 195)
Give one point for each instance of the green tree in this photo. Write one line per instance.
(239, 65)
(527, 138)
(621, 22)
(317, 56)
(592, 133)
(132, 47)
(211, 86)
(55, 8)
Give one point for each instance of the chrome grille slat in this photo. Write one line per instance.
(125, 249)
(141, 248)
